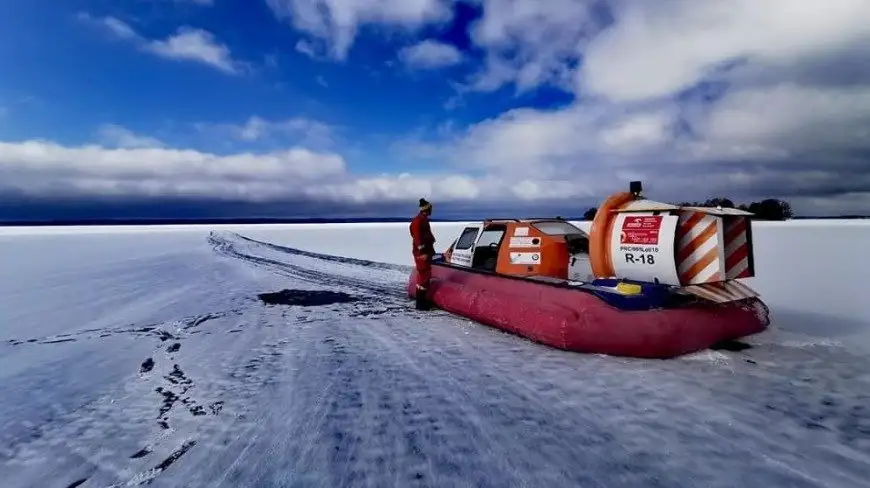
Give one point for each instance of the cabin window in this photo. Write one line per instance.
(557, 228)
(490, 236)
(467, 238)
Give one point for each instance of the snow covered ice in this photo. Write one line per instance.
(133, 358)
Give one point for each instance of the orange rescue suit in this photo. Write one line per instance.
(423, 250)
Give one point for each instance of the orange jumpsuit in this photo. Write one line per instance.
(423, 250)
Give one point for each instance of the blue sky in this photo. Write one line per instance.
(325, 106)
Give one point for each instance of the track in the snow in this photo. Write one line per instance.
(232, 245)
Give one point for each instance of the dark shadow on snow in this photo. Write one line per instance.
(730, 345)
(306, 298)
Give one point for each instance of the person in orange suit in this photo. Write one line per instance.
(423, 251)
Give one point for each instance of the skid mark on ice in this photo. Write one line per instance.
(326, 257)
(355, 274)
(164, 331)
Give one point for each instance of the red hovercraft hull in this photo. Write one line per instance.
(579, 321)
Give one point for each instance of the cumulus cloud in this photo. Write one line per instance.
(631, 50)
(763, 141)
(337, 22)
(137, 167)
(530, 43)
(116, 136)
(187, 44)
(657, 48)
(747, 99)
(43, 168)
(739, 98)
(430, 54)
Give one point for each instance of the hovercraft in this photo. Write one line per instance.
(649, 280)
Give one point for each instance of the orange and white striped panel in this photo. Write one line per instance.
(700, 258)
(722, 292)
(737, 249)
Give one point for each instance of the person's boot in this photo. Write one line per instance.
(422, 302)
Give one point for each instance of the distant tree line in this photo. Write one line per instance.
(769, 209)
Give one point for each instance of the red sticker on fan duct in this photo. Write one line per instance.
(641, 230)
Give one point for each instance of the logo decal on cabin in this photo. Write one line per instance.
(525, 242)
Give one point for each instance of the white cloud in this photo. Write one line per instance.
(736, 97)
(657, 48)
(297, 131)
(194, 45)
(116, 136)
(529, 42)
(337, 22)
(790, 114)
(444, 187)
(794, 117)
(187, 44)
(40, 168)
(307, 48)
(430, 54)
(44, 168)
(126, 164)
(758, 140)
(119, 28)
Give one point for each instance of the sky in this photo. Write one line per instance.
(360, 107)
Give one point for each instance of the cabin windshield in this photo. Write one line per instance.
(558, 228)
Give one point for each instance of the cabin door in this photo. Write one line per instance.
(487, 247)
(464, 248)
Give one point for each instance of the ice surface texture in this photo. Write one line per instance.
(147, 358)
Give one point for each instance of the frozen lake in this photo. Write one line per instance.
(131, 358)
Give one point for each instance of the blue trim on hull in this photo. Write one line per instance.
(651, 295)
